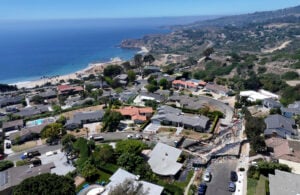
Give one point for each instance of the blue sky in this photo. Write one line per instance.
(62, 9)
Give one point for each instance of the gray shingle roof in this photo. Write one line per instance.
(79, 117)
(284, 183)
(15, 175)
(279, 124)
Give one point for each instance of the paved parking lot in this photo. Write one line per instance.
(220, 178)
(60, 162)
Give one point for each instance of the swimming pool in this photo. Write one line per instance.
(41, 121)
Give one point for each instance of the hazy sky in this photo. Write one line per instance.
(59, 9)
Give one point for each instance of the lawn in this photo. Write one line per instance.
(176, 188)
(25, 146)
(261, 185)
(251, 186)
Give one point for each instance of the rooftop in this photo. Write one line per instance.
(163, 160)
(284, 183)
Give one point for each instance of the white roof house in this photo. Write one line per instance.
(163, 160)
(260, 95)
(120, 176)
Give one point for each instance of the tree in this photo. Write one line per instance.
(111, 120)
(208, 52)
(37, 99)
(104, 154)
(50, 184)
(126, 65)
(112, 70)
(52, 130)
(62, 120)
(138, 60)
(151, 88)
(149, 58)
(129, 161)
(131, 75)
(90, 172)
(164, 83)
(130, 146)
(128, 187)
(151, 103)
(89, 88)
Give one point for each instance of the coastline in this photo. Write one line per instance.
(92, 68)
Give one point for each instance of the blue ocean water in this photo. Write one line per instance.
(31, 49)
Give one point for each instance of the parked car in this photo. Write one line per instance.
(8, 145)
(233, 176)
(207, 176)
(202, 189)
(96, 138)
(35, 162)
(30, 154)
(231, 187)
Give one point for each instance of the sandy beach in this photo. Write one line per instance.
(93, 68)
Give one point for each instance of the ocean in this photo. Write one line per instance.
(32, 49)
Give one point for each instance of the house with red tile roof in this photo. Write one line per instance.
(67, 89)
(137, 114)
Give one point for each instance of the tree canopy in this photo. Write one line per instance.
(130, 146)
(50, 184)
(112, 70)
(111, 120)
(52, 130)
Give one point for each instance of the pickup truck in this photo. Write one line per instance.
(30, 154)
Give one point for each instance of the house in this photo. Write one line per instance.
(138, 115)
(163, 160)
(285, 151)
(127, 96)
(27, 133)
(184, 101)
(200, 83)
(97, 84)
(271, 103)
(261, 95)
(218, 89)
(48, 94)
(121, 176)
(12, 125)
(151, 69)
(33, 110)
(197, 123)
(15, 175)
(278, 125)
(81, 118)
(284, 183)
(144, 96)
(122, 79)
(68, 90)
(10, 100)
(180, 84)
(291, 110)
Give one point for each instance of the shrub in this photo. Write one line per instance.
(5, 164)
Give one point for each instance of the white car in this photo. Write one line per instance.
(207, 176)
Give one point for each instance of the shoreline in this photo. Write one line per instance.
(92, 68)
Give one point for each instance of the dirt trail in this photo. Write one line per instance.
(282, 46)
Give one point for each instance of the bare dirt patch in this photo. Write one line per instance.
(195, 135)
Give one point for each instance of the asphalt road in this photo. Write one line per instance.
(220, 178)
(42, 149)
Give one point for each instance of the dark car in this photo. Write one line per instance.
(8, 145)
(231, 187)
(233, 176)
(202, 189)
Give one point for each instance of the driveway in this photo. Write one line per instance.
(220, 177)
(60, 162)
